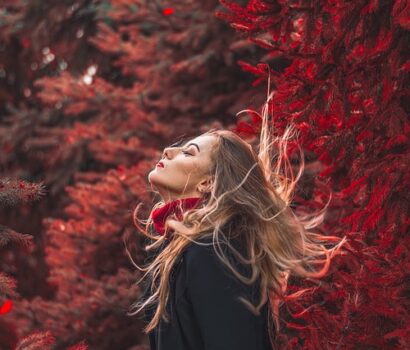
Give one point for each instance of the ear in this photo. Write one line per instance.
(206, 184)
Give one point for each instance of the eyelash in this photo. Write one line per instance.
(185, 152)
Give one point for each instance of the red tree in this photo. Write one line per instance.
(344, 89)
(95, 89)
(12, 193)
(103, 86)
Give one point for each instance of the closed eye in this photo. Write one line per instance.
(185, 152)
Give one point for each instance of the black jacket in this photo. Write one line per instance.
(204, 312)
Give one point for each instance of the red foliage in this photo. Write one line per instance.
(92, 93)
(344, 87)
(94, 90)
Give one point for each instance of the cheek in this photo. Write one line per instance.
(190, 166)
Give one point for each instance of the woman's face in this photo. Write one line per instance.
(186, 169)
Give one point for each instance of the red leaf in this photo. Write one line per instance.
(6, 307)
(168, 11)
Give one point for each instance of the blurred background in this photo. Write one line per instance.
(92, 91)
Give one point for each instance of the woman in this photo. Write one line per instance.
(225, 241)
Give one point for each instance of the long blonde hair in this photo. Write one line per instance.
(248, 191)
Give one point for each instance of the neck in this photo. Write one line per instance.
(173, 199)
(168, 197)
(177, 207)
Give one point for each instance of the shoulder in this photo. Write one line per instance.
(203, 258)
(202, 249)
(208, 277)
(205, 246)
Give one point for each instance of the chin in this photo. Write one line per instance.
(152, 177)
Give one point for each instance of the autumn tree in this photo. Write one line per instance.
(344, 89)
(93, 91)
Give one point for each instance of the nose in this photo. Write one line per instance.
(167, 153)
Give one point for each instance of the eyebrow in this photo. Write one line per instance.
(191, 143)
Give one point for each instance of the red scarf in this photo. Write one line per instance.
(159, 215)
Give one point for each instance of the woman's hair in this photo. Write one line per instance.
(249, 199)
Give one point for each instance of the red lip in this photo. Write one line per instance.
(160, 164)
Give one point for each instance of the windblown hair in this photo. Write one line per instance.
(248, 191)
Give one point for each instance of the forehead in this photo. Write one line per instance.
(205, 142)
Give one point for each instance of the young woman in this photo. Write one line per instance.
(225, 241)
